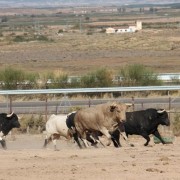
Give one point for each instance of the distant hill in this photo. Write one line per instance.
(54, 3)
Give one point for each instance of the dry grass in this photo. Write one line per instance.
(79, 54)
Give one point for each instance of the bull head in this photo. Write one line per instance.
(9, 115)
(163, 116)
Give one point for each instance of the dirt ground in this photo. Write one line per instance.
(26, 159)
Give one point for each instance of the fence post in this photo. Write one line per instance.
(89, 102)
(10, 106)
(46, 108)
(133, 103)
(142, 106)
(27, 130)
(169, 106)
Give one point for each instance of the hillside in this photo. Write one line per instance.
(65, 39)
(54, 3)
(80, 53)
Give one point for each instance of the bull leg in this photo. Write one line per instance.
(3, 143)
(115, 142)
(156, 133)
(55, 144)
(91, 139)
(126, 139)
(146, 137)
(84, 139)
(46, 141)
(98, 141)
(106, 133)
(85, 142)
(75, 135)
(115, 139)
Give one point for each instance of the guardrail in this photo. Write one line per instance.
(89, 90)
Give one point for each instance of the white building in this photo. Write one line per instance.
(129, 29)
(110, 30)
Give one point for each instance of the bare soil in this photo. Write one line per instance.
(26, 160)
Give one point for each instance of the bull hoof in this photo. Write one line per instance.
(108, 144)
(3, 143)
(56, 150)
(94, 144)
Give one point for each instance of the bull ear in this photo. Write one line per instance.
(9, 115)
(160, 111)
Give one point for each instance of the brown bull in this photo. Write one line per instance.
(103, 117)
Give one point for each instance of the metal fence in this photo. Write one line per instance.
(65, 105)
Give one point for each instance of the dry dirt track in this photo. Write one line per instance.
(26, 160)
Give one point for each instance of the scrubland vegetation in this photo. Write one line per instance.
(132, 75)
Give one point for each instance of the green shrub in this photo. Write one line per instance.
(88, 80)
(31, 81)
(60, 31)
(19, 39)
(138, 75)
(55, 79)
(100, 78)
(11, 78)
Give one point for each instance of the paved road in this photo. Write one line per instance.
(65, 105)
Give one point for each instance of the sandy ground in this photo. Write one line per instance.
(25, 159)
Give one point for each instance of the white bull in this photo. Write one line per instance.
(56, 127)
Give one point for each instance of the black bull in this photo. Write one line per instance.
(144, 123)
(7, 123)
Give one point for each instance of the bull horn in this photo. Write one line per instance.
(9, 115)
(161, 111)
(128, 104)
(113, 105)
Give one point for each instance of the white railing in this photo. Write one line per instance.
(89, 90)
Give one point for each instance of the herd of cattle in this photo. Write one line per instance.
(86, 125)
